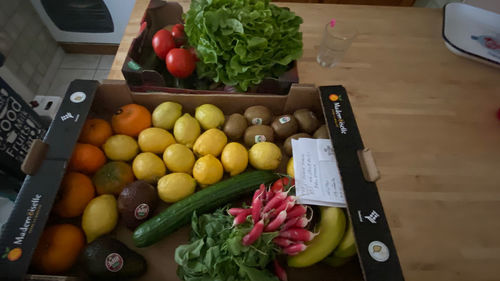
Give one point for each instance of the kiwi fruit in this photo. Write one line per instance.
(287, 145)
(258, 133)
(258, 115)
(235, 126)
(285, 126)
(321, 133)
(307, 120)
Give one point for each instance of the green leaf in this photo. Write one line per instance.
(240, 42)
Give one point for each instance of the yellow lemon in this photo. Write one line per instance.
(290, 169)
(175, 187)
(100, 216)
(265, 156)
(234, 158)
(209, 116)
(165, 115)
(186, 130)
(211, 141)
(121, 148)
(179, 158)
(155, 140)
(149, 167)
(207, 170)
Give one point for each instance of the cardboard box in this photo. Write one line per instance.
(144, 71)
(364, 207)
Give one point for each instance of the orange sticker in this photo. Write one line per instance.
(14, 254)
(333, 97)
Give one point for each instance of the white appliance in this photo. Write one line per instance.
(85, 21)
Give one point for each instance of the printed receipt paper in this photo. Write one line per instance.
(317, 176)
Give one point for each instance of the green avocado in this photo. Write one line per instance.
(109, 259)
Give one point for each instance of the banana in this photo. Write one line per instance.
(331, 229)
(344, 251)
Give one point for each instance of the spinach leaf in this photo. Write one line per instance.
(215, 251)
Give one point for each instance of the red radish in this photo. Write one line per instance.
(256, 207)
(286, 205)
(281, 241)
(254, 234)
(298, 234)
(275, 202)
(241, 217)
(281, 184)
(259, 191)
(290, 223)
(236, 211)
(269, 195)
(279, 271)
(162, 43)
(302, 222)
(294, 249)
(277, 222)
(297, 211)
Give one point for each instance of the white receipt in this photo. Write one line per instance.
(317, 176)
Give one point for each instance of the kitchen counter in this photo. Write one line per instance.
(429, 118)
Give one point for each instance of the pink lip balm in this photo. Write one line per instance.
(332, 23)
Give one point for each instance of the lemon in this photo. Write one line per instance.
(100, 216)
(175, 187)
(120, 148)
(186, 130)
(211, 141)
(289, 168)
(209, 116)
(207, 170)
(149, 167)
(155, 140)
(265, 156)
(165, 115)
(234, 158)
(179, 158)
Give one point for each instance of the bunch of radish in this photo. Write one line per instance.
(274, 210)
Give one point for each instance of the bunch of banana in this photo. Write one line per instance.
(334, 244)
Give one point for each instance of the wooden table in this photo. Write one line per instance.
(429, 117)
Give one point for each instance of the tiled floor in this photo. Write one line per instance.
(78, 66)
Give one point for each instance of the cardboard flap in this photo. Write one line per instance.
(34, 158)
(367, 163)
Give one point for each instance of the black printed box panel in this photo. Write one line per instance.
(38, 192)
(19, 126)
(375, 247)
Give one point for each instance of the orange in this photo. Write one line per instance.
(76, 192)
(131, 119)
(58, 248)
(95, 131)
(86, 158)
(113, 177)
(14, 254)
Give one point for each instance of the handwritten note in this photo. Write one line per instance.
(317, 176)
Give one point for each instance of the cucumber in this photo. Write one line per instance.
(203, 201)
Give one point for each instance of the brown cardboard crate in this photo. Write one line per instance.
(160, 256)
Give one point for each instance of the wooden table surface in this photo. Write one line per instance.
(429, 118)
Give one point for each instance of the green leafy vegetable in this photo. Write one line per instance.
(215, 251)
(240, 42)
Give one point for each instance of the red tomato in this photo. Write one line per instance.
(162, 43)
(179, 35)
(280, 184)
(193, 52)
(180, 62)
